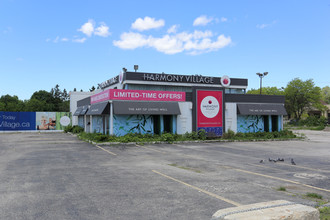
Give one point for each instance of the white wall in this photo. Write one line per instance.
(74, 97)
(231, 117)
(184, 121)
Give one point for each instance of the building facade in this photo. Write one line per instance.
(155, 103)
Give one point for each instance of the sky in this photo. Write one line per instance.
(80, 43)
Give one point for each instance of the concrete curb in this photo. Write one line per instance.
(273, 210)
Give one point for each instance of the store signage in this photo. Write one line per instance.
(178, 78)
(209, 111)
(225, 81)
(141, 95)
(17, 121)
(109, 82)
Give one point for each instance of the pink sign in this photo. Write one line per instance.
(141, 95)
(100, 97)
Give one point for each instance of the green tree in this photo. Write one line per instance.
(326, 94)
(11, 104)
(35, 105)
(300, 96)
(267, 91)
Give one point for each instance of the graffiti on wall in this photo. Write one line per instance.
(97, 124)
(250, 123)
(124, 124)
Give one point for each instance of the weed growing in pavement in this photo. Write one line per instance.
(281, 188)
(324, 213)
(313, 195)
(185, 168)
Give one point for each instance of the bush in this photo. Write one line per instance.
(228, 135)
(68, 129)
(74, 129)
(77, 129)
(167, 137)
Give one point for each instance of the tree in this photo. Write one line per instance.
(11, 103)
(267, 91)
(92, 89)
(300, 96)
(326, 94)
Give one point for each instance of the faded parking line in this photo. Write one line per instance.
(199, 189)
(277, 178)
(106, 150)
(148, 148)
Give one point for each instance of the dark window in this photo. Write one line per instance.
(168, 123)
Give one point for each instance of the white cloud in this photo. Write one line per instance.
(262, 26)
(102, 30)
(56, 39)
(194, 43)
(147, 23)
(223, 19)
(202, 20)
(64, 39)
(173, 29)
(167, 44)
(79, 40)
(131, 41)
(87, 28)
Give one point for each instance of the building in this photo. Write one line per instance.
(157, 102)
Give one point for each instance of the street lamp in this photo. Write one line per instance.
(261, 75)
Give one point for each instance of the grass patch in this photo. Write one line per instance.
(185, 168)
(324, 213)
(313, 195)
(281, 188)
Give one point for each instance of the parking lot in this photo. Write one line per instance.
(57, 176)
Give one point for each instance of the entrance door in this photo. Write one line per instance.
(168, 123)
(156, 119)
(266, 123)
(274, 122)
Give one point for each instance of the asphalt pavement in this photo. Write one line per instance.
(57, 176)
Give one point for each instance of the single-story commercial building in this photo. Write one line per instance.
(155, 103)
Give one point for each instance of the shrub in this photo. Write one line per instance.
(229, 134)
(167, 137)
(68, 129)
(77, 129)
(202, 134)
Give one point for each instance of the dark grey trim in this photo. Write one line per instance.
(139, 76)
(254, 98)
(261, 109)
(85, 101)
(145, 108)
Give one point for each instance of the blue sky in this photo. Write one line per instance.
(80, 43)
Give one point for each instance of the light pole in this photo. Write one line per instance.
(261, 75)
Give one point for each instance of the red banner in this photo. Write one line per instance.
(209, 108)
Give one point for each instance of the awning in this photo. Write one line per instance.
(99, 109)
(78, 111)
(84, 110)
(261, 109)
(145, 108)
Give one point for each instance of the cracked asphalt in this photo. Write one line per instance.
(57, 176)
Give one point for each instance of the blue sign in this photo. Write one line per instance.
(12, 121)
